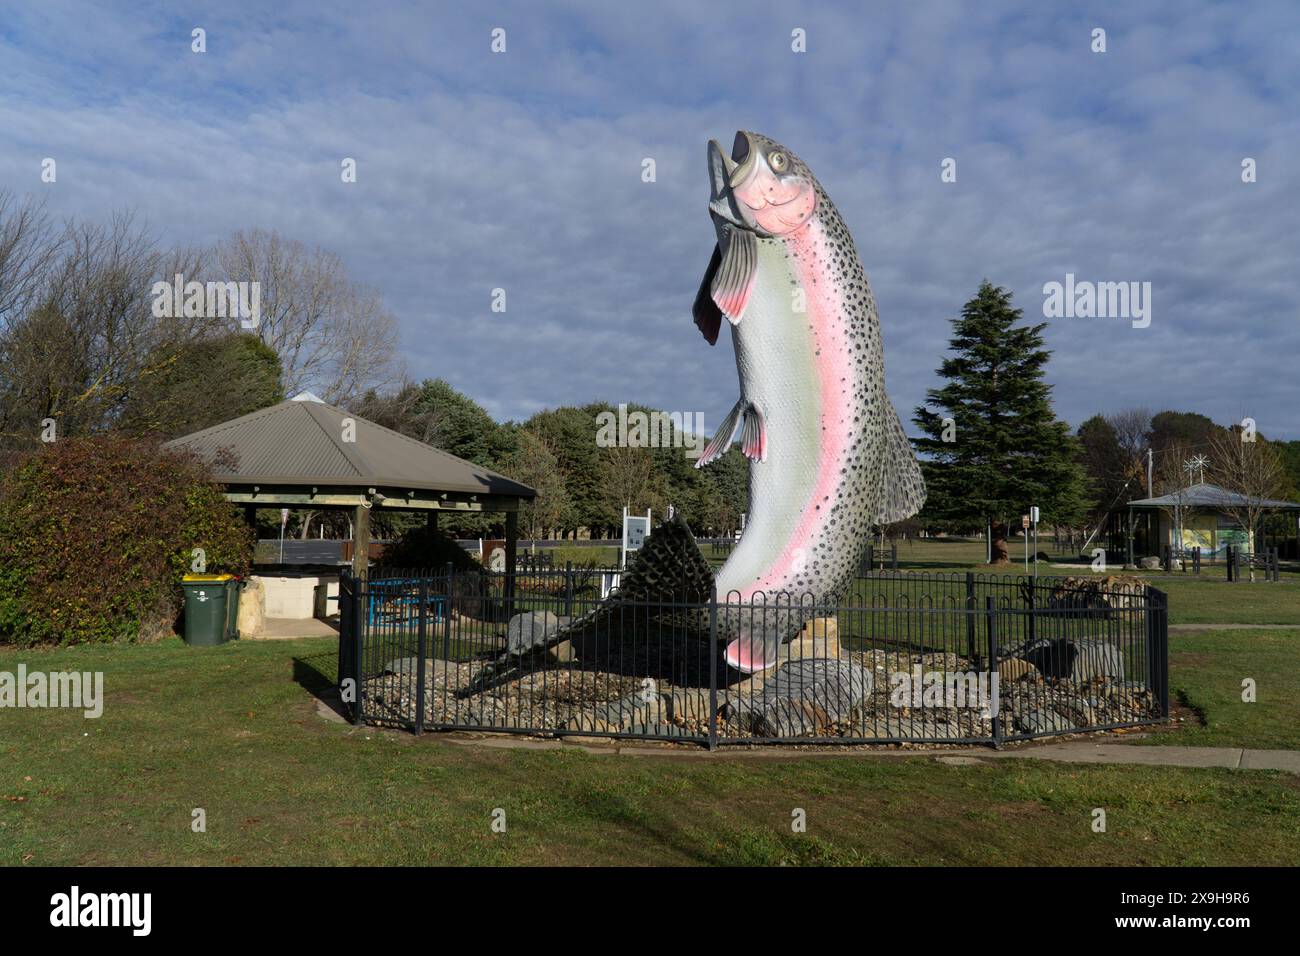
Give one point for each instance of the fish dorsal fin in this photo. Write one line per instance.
(708, 317)
(734, 280)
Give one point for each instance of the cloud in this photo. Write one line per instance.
(523, 171)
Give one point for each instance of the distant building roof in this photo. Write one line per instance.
(1205, 495)
(300, 442)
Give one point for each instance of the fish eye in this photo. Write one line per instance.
(778, 162)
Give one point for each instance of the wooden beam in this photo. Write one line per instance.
(361, 540)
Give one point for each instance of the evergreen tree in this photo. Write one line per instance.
(993, 446)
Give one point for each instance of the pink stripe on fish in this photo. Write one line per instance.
(833, 366)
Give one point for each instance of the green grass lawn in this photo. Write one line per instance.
(1206, 670)
(233, 730)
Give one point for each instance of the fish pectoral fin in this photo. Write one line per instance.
(734, 281)
(753, 440)
(708, 317)
(721, 440)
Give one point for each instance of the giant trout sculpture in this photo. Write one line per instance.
(828, 455)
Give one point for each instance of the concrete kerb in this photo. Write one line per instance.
(1070, 751)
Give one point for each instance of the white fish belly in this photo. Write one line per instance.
(774, 356)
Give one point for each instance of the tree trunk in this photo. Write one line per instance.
(1000, 553)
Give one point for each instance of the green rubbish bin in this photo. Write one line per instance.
(211, 608)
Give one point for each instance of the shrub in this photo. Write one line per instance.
(95, 534)
(422, 547)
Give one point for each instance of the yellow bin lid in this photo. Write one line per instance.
(208, 577)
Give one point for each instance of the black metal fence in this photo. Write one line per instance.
(902, 657)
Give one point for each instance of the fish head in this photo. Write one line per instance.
(762, 187)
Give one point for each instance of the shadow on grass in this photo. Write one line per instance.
(318, 675)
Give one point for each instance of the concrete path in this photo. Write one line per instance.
(287, 628)
(1086, 751)
(1235, 627)
(1070, 751)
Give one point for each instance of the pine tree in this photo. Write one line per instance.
(993, 446)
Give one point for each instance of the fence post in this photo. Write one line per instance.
(893, 556)
(871, 558)
(713, 667)
(1196, 560)
(446, 617)
(1232, 563)
(568, 589)
(360, 597)
(970, 615)
(346, 638)
(990, 611)
(422, 651)
(1157, 630)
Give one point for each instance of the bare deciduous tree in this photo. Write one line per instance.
(1250, 469)
(333, 335)
(1132, 431)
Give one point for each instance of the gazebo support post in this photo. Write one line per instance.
(1130, 538)
(360, 540)
(512, 538)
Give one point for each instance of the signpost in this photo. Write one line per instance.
(635, 529)
(284, 520)
(1024, 524)
(1033, 519)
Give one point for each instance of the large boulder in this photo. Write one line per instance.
(1077, 659)
(250, 620)
(803, 697)
(531, 629)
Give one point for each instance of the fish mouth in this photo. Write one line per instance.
(764, 203)
(747, 655)
(742, 163)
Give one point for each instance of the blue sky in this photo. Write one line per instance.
(522, 170)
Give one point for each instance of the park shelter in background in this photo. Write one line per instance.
(303, 453)
(1201, 518)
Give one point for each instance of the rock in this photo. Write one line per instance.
(251, 619)
(1042, 722)
(640, 708)
(791, 718)
(1077, 659)
(1149, 564)
(588, 723)
(658, 729)
(530, 629)
(1016, 668)
(688, 703)
(818, 639)
(802, 697)
(402, 665)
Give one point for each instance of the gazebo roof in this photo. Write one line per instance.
(299, 444)
(1205, 495)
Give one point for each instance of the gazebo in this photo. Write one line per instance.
(1198, 516)
(303, 453)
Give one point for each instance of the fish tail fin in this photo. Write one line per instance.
(901, 488)
(668, 567)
